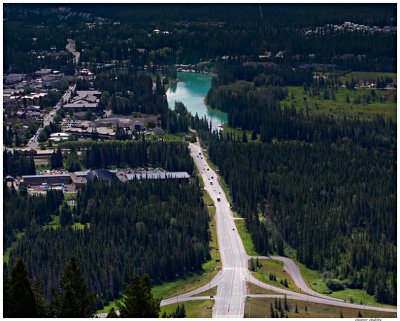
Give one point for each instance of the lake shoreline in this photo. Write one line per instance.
(191, 89)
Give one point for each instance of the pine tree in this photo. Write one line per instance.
(65, 215)
(254, 135)
(112, 314)
(252, 265)
(74, 300)
(285, 302)
(43, 307)
(285, 283)
(282, 313)
(297, 310)
(19, 301)
(341, 314)
(272, 312)
(359, 314)
(138, 301)
(244, 137)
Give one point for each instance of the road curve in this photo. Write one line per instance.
(293, 270)
(230, 281)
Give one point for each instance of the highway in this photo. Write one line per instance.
(229, 301)
(231, 280)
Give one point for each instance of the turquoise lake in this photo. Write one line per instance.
(191, 89)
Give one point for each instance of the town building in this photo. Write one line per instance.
(46, 179)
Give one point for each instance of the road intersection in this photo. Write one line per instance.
(231, 280)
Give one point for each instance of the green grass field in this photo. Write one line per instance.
(194, 309)
(70, 196)
(367, 76)
(168, 137)
(80, 226)
(260, 308)
(212, 291)
(108, 307)
(276, 267)
(238, 133)
(54, 223)
(340, 107)
(246, 238)
(255, 289)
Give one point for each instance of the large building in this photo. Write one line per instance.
(151, 174)
(85, 99)
(49, 179)
(100, 174)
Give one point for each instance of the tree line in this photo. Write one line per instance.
(313, 197)
(23, 299)
(17, 164)
(172, 156)
(139, 226)
(20, 210)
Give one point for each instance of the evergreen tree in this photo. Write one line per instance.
(244, 137)
(43, 308)
(19, 301)
(65, 215)
(285, 283)
(359, 315)
(272, 312)
(74, 300)
(297, 310)
(252, 265)
(285, 303)
(112, 314)
(341, 314)
(138, 301)
(56, 159)
(254, 135)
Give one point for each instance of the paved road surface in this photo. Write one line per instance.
(229, 301)
(231, 294)
(231, 291)
(291, 267)
(33, 142)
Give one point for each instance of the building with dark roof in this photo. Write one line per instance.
(101, 174)
(49, 179)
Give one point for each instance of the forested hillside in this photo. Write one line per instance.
(20, 210)
(172, 156)
(114, 230)
(136, 227)
(200, 32)
(320, 185)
